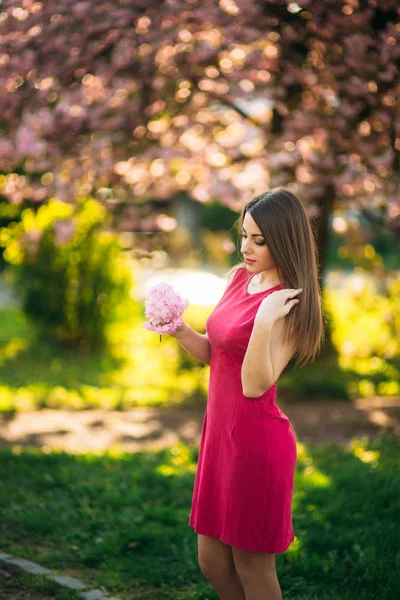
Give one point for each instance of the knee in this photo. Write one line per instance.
(250, 570)
(214, 569)
(245, 572)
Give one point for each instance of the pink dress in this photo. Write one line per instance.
(244, 479)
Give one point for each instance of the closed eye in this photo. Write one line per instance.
(257, 243)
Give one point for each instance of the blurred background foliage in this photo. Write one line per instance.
(69, 271)
(139, 370)
(72, 335)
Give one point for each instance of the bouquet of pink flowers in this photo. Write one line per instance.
(164, 309)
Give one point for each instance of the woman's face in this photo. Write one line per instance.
(254, 247)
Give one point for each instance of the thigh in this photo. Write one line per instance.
(248, 564)
(214, 555)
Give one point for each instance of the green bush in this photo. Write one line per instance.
(70, 270)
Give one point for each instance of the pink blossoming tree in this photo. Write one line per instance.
(221, 99)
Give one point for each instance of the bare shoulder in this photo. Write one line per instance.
(231, 273)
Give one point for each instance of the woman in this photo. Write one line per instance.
(270, 312)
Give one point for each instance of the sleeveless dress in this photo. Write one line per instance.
(244, 479)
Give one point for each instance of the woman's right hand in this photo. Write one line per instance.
(178, 330)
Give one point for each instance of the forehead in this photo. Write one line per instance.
(249, 224)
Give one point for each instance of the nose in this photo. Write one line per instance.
(244, 246)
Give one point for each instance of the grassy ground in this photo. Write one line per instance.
(119, 520)
(24, 586)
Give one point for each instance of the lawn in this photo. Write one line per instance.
(119, 520)
(24, 586)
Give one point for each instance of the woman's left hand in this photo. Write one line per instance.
(277, 305)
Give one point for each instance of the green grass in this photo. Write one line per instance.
(33, 587)
(119, 520)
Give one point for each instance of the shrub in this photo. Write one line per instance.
(70, 270)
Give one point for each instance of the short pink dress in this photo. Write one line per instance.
(245, 472)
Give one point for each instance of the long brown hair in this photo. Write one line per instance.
(287, 231)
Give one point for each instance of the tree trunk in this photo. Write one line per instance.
(321, 229)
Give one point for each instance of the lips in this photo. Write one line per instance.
(247, 260)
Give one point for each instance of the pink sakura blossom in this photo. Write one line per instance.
(164, 309)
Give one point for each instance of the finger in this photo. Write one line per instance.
(292, 292)
(289, 296)
(292, 303)
(287, 291)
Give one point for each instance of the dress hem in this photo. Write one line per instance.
(238, 544)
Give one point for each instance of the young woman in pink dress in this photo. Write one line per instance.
(269, 313)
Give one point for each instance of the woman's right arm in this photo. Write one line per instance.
(196, 344)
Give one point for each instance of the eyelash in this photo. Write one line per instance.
(257, 243)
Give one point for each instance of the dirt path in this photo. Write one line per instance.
(153, 428)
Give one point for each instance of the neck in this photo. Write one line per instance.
(270, 277)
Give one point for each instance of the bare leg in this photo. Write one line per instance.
(257, 573)
(216, 563)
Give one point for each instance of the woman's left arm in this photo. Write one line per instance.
(266, 355)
